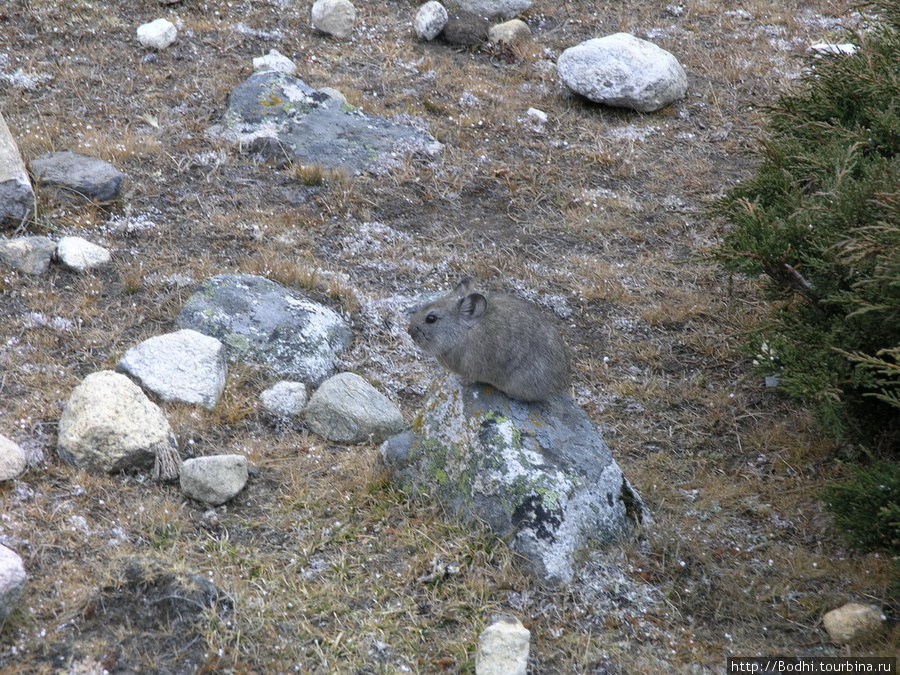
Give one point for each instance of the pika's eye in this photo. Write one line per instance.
(431, 318)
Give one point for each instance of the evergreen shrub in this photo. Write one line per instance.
(820, 222)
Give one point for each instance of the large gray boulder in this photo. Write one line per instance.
(73, 176)
(623, 71)
(347, 409)
(12, 581)
(277, 115)
(538, 474)
(261, 321)
(110, 425)
(184, 366)
(16, 194)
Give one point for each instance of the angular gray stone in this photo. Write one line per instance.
(73, 176)
(12, 459)
(12, 581)
(430, 20)
(184, 366)
(285, 399)
(334, 17)
(263, 322)
(347, 409)
(80, 255)
(214, 480)
(503, 648)
(624, 71)
(495, 9)
(110, 425)
(538, 474)
(279, 116)
(16, 194)
(29, 255)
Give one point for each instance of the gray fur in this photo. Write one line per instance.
(494, 338)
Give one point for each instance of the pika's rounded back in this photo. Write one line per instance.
(497, 339)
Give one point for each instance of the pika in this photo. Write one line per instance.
(494, 338)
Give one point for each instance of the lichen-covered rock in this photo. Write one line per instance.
(430, 20)
(261, 321)
(280, 116)
(538, 474)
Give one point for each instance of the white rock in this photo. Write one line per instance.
(536, 116)
(284, 398)
(830, 48)
(503, 648)
(12, 459)
(622, 70)
(184, 366)
(334, 17)
(430, 20)
(109, 424)
(853, 623)
(80, 255)
(347, 409)
(214, 480)
(157, 34)
(16, 193)
(509, 32)
(276, 61)
(12, 581)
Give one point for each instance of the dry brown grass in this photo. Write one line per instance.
(599, 215)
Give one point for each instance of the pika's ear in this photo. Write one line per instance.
(464, 286)
(471, 308)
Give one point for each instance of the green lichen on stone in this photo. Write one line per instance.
(237, 341)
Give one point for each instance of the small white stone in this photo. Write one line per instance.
(538, 116)
(274, 61)
(80, 255)
(509, 32)
(158, 34)
(829, 48)
(853, 623)
(430, 20)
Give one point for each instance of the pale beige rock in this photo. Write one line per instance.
(509, 32)
(503, 648)
(334, 17)
(12, 459)
(853, 623)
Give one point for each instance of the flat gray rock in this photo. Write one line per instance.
(278, 115)
(623, 71)
(29, 255)
(16, 194)
(538, 474)
(184, 366)
(347, 409)
(263, 322)
(74, 176)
